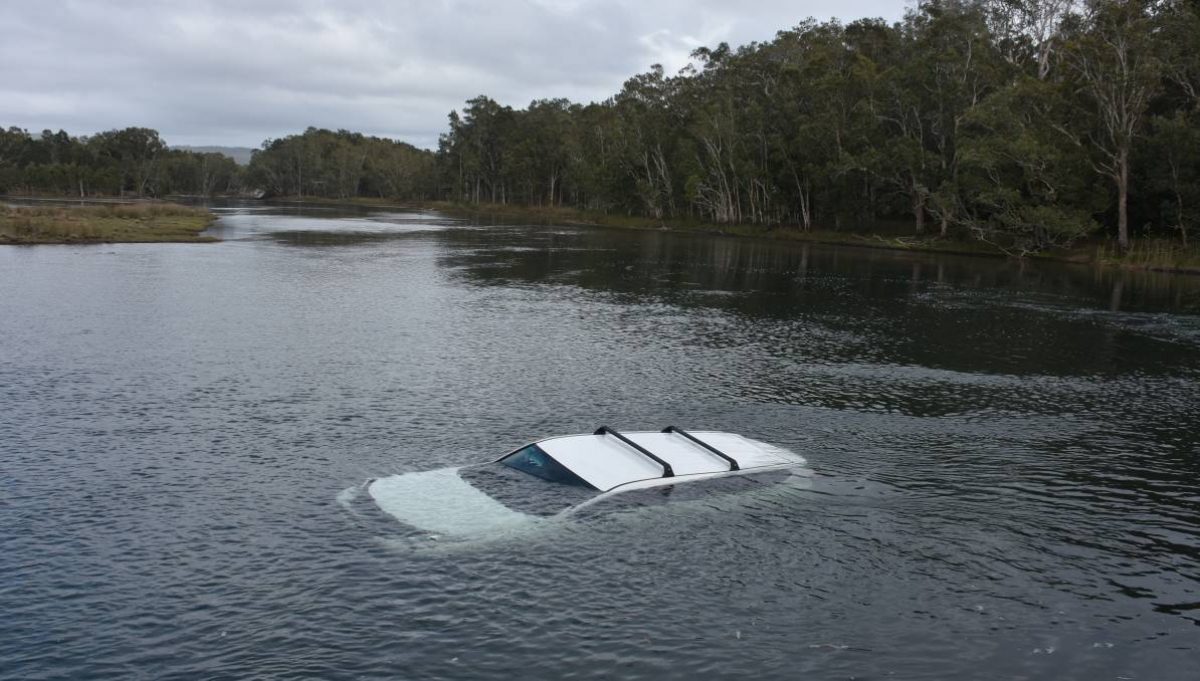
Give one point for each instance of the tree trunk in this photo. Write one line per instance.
(805, 211)
(1181, 225)
(1123, 200)
(919, 210)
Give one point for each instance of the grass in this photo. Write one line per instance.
(1162, 255)
(115, 223)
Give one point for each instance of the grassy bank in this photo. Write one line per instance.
(1161, 255)
(116, 223)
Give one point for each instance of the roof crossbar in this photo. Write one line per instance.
(733, 464)
(667, 470)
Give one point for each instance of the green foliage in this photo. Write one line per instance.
(1026, 124)
(1023, 183)
(1173, 173)
(1009, 121)
(130, 161)
(341, 165)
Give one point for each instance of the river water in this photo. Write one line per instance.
(1004, 454)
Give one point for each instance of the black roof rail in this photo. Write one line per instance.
(733, 464)
(668, 472)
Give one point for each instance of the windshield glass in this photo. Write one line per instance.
(520, 491)
(534, 461)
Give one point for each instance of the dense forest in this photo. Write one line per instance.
(136, 162)
(1023, 123)
(343, 165)
(133, 161)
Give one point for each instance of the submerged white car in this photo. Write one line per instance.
(573, 475)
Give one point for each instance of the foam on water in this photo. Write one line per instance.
(346, 497)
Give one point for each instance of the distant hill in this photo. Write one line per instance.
(239, 154)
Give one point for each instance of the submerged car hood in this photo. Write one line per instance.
(441, 502)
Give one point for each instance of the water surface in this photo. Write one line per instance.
(1005, 456)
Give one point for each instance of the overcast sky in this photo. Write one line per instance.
(238, 72)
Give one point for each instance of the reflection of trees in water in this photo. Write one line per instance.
(662, 264)
(875, 333)
(813, 303)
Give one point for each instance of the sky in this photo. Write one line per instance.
(240, 72)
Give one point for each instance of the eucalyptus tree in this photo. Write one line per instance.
(980, 114)
(13, 145)
(204, 174)
(398, 170)
(270, 168)
(861, 171)
(962, 68)
(907, 161)
(135, 152)
(347, 156)
(595, 155)
(1172, 158)
(646, 125)
(714, 104)
(1114, 55)
(537, 154)
(451, 163)
(341, 164)
(1172, 171)
(1025, 187)
(486, 125)
(473, 148)
(1026, 32)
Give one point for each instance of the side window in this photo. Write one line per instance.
(534, 461)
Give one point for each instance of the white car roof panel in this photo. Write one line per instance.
(605, 462)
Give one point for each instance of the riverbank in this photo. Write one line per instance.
(1151, 255)
(561, 215)
(112, 223)
(571, 216)
(1154, 255)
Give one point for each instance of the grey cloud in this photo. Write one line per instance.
(215, 71)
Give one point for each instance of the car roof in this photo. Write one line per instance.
(609, 460)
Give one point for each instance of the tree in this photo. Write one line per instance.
(135, 152)
(1024, 186)
(341, 165)
(1113, 55)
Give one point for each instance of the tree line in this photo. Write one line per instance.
(136, 162)
(132, 161)
(1026, 123)
(1023, 123)
(342, 165)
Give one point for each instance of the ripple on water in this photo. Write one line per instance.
(1005, 465)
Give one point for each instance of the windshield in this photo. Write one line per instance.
(518, 481)
(534, 461)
